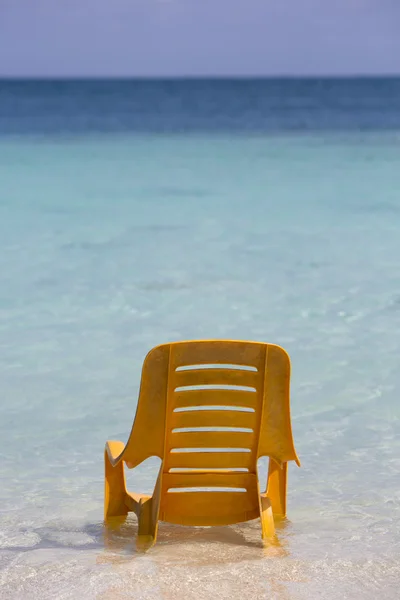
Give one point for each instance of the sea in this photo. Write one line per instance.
(140, 212)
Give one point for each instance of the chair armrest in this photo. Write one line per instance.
(115, 450)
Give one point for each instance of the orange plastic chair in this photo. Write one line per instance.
(209, 410)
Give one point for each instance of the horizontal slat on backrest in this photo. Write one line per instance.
(216, 376)
(216, 351)
(212, 397)
(213, 418)
(209, 460)
(187, 480)
(210, 439)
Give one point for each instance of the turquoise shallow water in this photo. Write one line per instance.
(114, 242)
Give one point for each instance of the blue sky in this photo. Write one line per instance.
(199, 37)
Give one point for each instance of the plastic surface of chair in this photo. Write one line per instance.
(209, 410)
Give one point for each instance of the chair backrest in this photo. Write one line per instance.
(209, 410)
(214, 383)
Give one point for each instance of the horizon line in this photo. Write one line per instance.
(196, 77)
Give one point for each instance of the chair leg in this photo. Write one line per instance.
(276, 488)
(115, 490)
(147, 526)
(267, 517)
(148, 513)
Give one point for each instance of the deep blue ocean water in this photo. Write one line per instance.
(208, 106)
(139, 212)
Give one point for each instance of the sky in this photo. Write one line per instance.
(44, 38)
